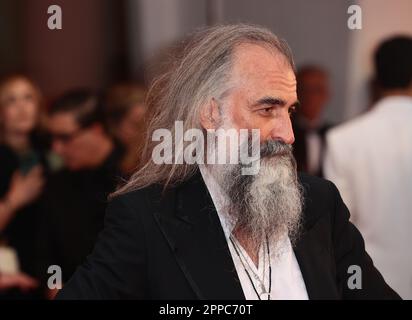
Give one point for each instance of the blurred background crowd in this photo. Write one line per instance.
(73, 115)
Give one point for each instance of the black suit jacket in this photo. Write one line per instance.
(172, 246)
(73, 211)
(300, 150)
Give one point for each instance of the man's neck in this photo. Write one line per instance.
(398, 92)
(104, 148)
(251, 248)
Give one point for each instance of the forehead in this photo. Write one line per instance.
(262, 71)
(16, 86)
(62, 121)
(19, 84)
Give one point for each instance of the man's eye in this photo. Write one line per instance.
(8, 101)
(28, 97)
(266, 111)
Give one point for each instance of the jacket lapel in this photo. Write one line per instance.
(314, 257)
(190, 224)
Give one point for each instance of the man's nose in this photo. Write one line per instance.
(57, 147)
(283, 130)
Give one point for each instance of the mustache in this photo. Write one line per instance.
(272, 148)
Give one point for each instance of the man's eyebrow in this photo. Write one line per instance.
(274, 101)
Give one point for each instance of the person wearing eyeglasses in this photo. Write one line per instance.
(75, 198)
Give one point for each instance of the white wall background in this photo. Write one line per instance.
(381, 19)
(316, 30)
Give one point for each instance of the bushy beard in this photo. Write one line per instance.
(268, 204)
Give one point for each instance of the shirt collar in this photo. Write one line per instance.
(395, 101)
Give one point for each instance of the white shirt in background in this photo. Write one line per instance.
(370, 161)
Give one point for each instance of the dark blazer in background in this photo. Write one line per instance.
(300, 149)
(173, 247)
(73, 209)
(21, 232)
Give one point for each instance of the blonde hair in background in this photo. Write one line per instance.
(120, 99)
(41, 112)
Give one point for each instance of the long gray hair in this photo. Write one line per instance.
(199, 71)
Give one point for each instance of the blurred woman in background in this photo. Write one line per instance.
(125, 111)
(23, 167)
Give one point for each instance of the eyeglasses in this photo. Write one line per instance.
(65, 137)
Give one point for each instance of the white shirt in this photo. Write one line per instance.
(370, 161)
(287, 281)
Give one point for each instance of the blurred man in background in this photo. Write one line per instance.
(313, 94)
(75, 198)
(370, 160)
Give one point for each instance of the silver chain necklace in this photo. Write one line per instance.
(243, 260)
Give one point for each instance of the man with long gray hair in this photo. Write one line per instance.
(205, 229)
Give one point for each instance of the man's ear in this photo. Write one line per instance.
(210, 116)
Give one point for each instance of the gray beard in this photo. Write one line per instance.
(268, 204)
